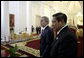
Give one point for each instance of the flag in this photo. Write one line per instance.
(73, 21)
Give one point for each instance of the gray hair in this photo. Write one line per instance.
(46, 19)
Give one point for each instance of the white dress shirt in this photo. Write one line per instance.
(42, 28)
(61, 29)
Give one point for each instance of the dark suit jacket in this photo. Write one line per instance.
(65, 45)
(46, 39)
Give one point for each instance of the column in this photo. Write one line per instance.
(51, 9)
(5, 20)
(29, 23)
(42, 8)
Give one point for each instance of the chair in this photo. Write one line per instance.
(24, 36)
(73, 29)
(79, 35)
(14, 37)
(31, 34)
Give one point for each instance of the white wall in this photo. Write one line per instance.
(25, 14)
(22, 15)
(36, 11)
(47, 12)
(29, 17)
(40, 9)
(26, 11)
(18, 8)
(5, 20)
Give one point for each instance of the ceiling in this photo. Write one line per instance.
(64, 5)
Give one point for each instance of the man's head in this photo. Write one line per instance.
(44, 21)
(59, 20)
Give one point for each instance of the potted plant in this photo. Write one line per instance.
(12, 52)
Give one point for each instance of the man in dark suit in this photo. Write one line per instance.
(47, 37)
(32, 28)
(39, 29)
(65, 44)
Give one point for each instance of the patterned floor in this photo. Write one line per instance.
(26, 49)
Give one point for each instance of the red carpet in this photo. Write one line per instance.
(4, 54)
(19, 51)
(34, 44)
(35, 34)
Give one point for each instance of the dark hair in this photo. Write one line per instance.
(60, 16)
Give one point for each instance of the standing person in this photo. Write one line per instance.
(47, 37)
(32, 29)
(37, 29)
(65, 44)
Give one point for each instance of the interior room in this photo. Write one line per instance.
(19, 17)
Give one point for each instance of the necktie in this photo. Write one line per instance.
(42, 31)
